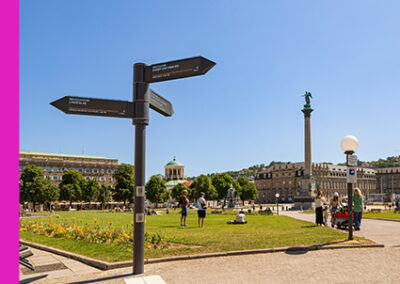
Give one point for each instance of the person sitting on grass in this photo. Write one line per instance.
(240, 219)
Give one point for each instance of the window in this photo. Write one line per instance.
(102, 178)
(80, 170)
(102, 171)
(109, 172)
(95, 171)
(110, 179)
(87, 170)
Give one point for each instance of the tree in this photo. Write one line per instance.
(222, 183)
(203, 184)
(50, 193)
(33, 185)
(177, 191)
(246, 189)
(90, 191)
(71, 186)
(155, 189)
(125, 183)
(166, 196)
(104, 195)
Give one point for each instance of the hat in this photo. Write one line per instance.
(336, 194)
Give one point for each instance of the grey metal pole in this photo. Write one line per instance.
(140, 120)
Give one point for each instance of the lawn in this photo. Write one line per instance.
(389, 214)
(259, 232)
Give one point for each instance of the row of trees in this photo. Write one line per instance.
(215, 188)
(35, 188)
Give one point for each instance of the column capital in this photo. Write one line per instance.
(307, 112)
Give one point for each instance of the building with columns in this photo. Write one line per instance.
(286, 179)
(388, 181)
(175, 174)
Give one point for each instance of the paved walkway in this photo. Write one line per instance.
(51, 266)
(370, 265)
(381, 232)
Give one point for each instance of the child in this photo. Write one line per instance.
(326, 214)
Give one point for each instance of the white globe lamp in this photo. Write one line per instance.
(349, 144)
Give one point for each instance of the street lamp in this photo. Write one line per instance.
(349, 144)
(277, 200)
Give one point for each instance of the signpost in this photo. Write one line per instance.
(351, 179)
(97, 107)
(143, 99)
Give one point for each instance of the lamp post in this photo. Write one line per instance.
(277, 200)
(349, 144)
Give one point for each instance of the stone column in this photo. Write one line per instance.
(307, 142)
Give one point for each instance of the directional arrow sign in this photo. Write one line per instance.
(178, 69)
(159, 104)
(97, 107)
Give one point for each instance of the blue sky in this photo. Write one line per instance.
(244, 111)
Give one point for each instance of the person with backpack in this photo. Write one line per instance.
(201, 209)
(183, 203)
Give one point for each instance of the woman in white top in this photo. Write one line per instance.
(319, 202)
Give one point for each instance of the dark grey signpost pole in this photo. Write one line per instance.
(138, 110)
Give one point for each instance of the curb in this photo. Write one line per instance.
(383, 219)
(103, 265)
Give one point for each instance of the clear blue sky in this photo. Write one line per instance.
(246, 110)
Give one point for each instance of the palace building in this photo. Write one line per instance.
(286, 179)
(53, 165)
(388, 181)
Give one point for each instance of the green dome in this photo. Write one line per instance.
(174, 162)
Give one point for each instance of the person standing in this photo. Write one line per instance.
(183, 203)
(319, 202)
(358, 202)
(333, 206)
(201, 209)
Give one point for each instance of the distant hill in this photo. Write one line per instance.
(389, 162)
(250, 171)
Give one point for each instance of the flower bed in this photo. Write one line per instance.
(95, 234)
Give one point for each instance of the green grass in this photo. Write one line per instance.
(259, 232)
(389, 214)
(309, 211)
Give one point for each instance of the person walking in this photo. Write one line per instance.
(201, 209)
(333, 206)
(358, 202)
(183, 203)
(319, 202)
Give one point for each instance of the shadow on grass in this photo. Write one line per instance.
(103, 279)
(304, 250)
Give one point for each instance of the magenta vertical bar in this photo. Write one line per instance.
(9, 82)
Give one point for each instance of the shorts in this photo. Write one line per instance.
(201, 213)
(184, 211)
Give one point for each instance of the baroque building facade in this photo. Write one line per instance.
(388, 181)
(286, 179)
(53, 165)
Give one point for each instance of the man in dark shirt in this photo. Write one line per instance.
(183, 203)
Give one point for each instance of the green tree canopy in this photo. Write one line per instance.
(246, 190)
(71, 186)
(125, 183)
(90, 191)
(177, 190)
(222, 183)
(34, 187)
(204, 184)
(104, 194)
(50, 193)
(155, 189)
(166, 195)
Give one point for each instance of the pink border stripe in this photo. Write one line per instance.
(9, 27)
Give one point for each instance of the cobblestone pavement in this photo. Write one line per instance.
(51, 266)
(382, 232)
(363, 265)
